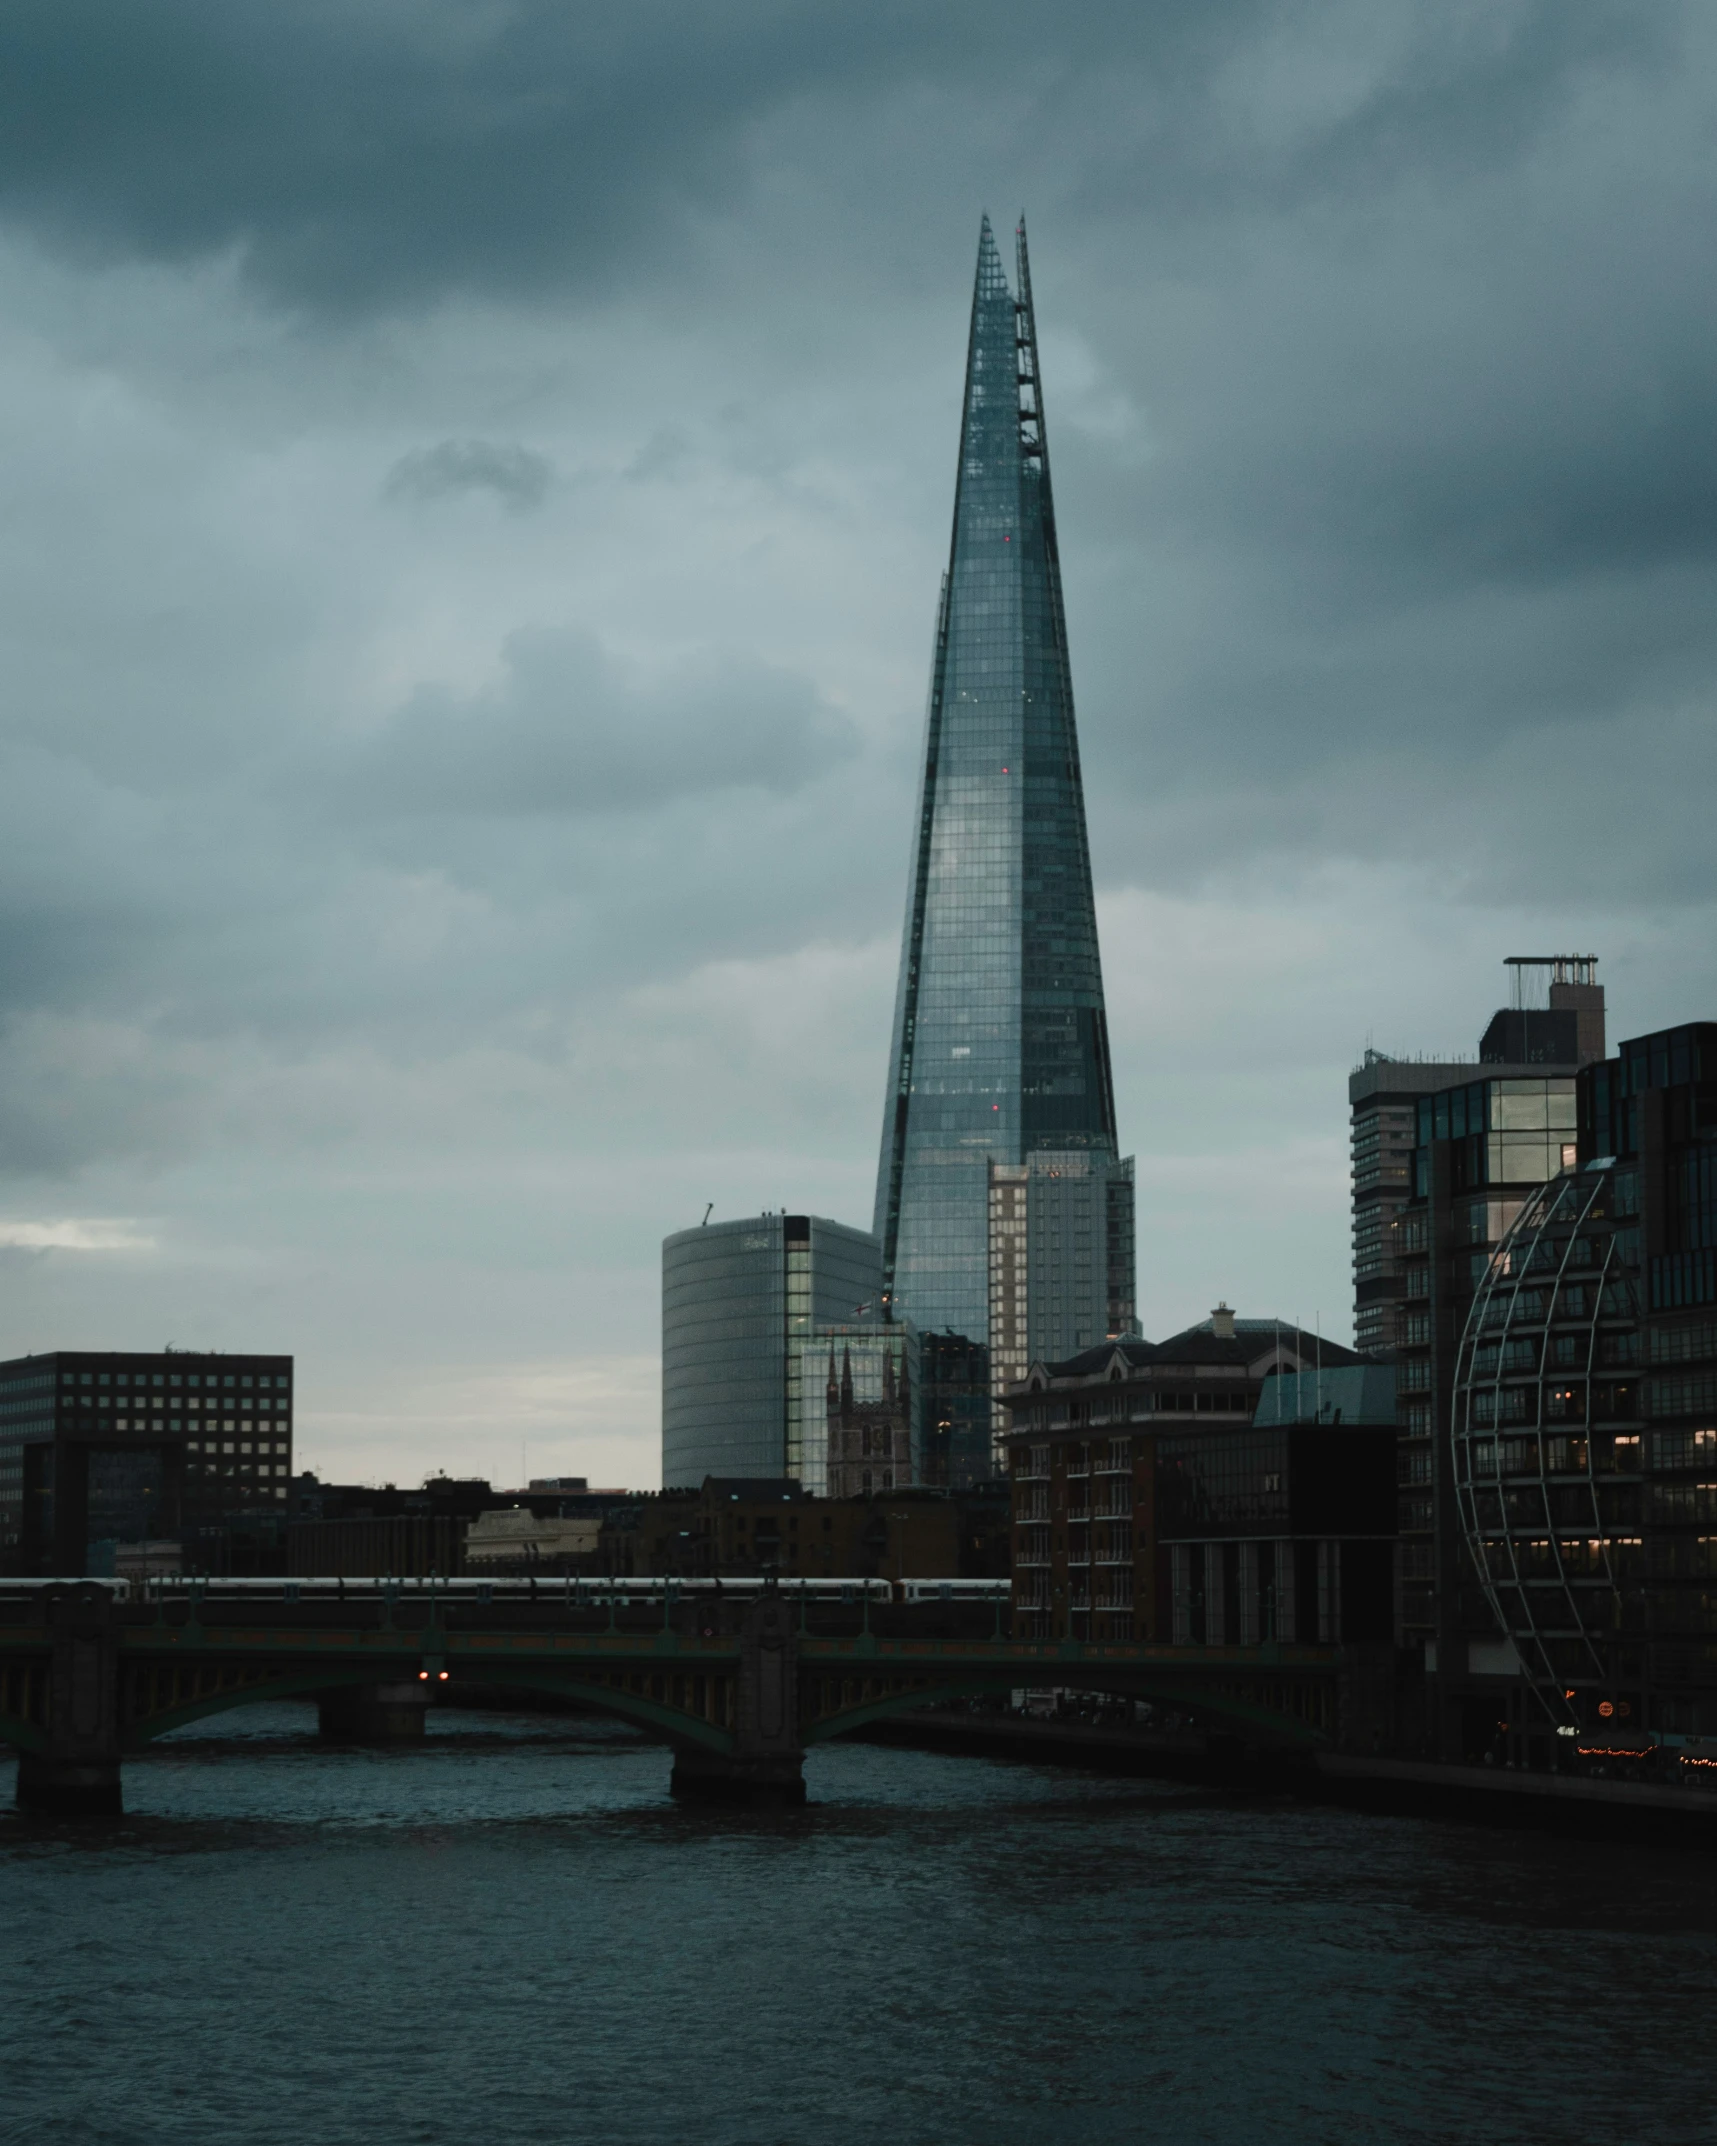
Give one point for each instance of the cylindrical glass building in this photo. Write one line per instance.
(1546, 1436)
(736, 1298)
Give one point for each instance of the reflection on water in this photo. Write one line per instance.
(510, 1934)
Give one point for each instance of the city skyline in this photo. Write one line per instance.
(467, 665)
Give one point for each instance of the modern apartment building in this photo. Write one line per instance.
(1579, 1508)
(1523, 1038)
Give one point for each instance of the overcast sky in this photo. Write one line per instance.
(474, 482)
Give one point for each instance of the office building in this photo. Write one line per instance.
(740, 1303)
(1061, 1259)
(955, 1412)
(1000, 1047)
(1523, 1038)
(1482, 1150)
(1580, 1504)
(1233, 1483)
(108, 1447)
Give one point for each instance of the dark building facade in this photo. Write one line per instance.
(1000, 1045)
(1559, 1407)
(1232, 1484)
(738, 1528)
(1383, 1094)
(955, 1411)
(1583, 1435)
(102, 1446)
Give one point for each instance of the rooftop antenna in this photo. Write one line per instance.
(708, 1211)
(1533, 971)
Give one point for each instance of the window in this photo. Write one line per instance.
(1684, 1449)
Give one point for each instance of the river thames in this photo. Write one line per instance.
(510, 1934)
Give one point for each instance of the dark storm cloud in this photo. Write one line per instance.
(378, 154)
(374, 153)
(516, 476)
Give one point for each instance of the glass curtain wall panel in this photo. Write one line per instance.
(737, 1298)
(1000, 1045)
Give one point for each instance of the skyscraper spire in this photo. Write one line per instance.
(1000, 1043)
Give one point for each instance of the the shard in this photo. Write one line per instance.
(1001, 1049)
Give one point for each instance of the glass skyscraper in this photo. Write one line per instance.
(1000, 1048)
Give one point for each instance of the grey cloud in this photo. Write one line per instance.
(386, 154)
(516, 476)
(567, 730)
(1409, 562)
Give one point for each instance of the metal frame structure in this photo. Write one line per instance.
(1552, 1613)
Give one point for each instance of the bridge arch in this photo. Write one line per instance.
(667, 1724)
(1232, 1710)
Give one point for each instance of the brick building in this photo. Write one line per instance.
(1157, 1497)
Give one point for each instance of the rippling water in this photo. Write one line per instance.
(511, 1935)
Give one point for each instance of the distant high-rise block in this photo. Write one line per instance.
(1061, 1258)
(1000, 1047)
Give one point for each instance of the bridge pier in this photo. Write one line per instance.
(75, 1774)
(373, 1713)
(767, 1763)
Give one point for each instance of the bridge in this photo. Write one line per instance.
(739, 1683)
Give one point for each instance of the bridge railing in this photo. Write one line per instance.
(579, 1589)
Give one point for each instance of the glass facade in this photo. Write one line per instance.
(954, 1410)
(1061, 1259)
(1510, 1132)
(738, 1300)
(1547, 1443)
(1000, 1046)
